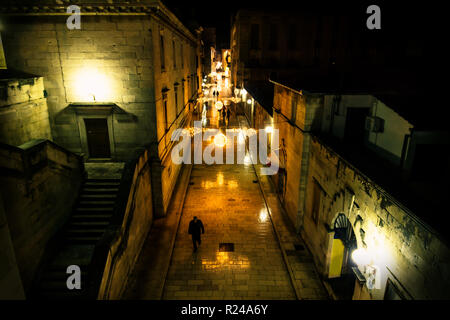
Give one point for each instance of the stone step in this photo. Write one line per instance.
(107, 209)
(63, 294)
(97, 191)
(95, 203)
(85, 231)
(61, 274)
(59, 284)
(91, 217)
(88, 224)
(91, 180)
(100, 197)
(82, 240)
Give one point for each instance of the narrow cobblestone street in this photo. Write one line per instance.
(260, 263)
(232, 209)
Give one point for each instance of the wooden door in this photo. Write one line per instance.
(97, 138)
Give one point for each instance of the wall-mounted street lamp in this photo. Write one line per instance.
(269, 129)
(92, 86)
(367, 270)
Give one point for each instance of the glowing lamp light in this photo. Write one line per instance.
(247, 160)
(219, 105)
(263, 216)
(269, 129)
(361, 257)
(243, 92)
(241, 138)
(249, 101)
(91, 85)
(220, 140)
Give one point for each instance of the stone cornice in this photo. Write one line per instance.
(45, 8)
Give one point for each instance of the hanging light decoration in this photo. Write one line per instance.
(220, 140)
(219, 105)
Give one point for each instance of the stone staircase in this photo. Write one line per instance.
(87, 224)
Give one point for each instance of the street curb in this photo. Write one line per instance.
(269, 211)
(285, 258)
(179, 212)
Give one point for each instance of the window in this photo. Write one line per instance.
(292, 37)
(174, 55)
(273, 40)
(182, 94)
(254, 36)
(163, 62)
(317, 192)
(175, 90)
(166, 121)
(181, 55)
(294, 107)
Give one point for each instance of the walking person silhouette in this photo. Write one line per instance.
(196, 229)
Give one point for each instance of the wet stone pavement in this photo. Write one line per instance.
(229, 202)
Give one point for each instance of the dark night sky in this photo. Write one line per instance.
(396, 15)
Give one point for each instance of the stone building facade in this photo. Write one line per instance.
(127, 78)
(345, 189)
(269, 42)
(23, 108)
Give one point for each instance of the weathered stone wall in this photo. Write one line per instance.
(177, 79)
(23, 111)
(39, 184)
(110, 58)
(10, 282)
(137, 222)
(294, 139)
(404, 248)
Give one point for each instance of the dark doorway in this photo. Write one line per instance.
(355, 125)
(98, 138)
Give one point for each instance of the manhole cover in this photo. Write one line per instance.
(231, 199)
(299, 247)
(255, 181)
(226, 247)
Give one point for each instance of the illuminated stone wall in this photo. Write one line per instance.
(116, 60)
(295, 139)
(23, 111)
(108, 60)
(407, 251)
(39, 183)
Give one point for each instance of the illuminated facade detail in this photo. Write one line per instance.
(355, 229)
(119, 67)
